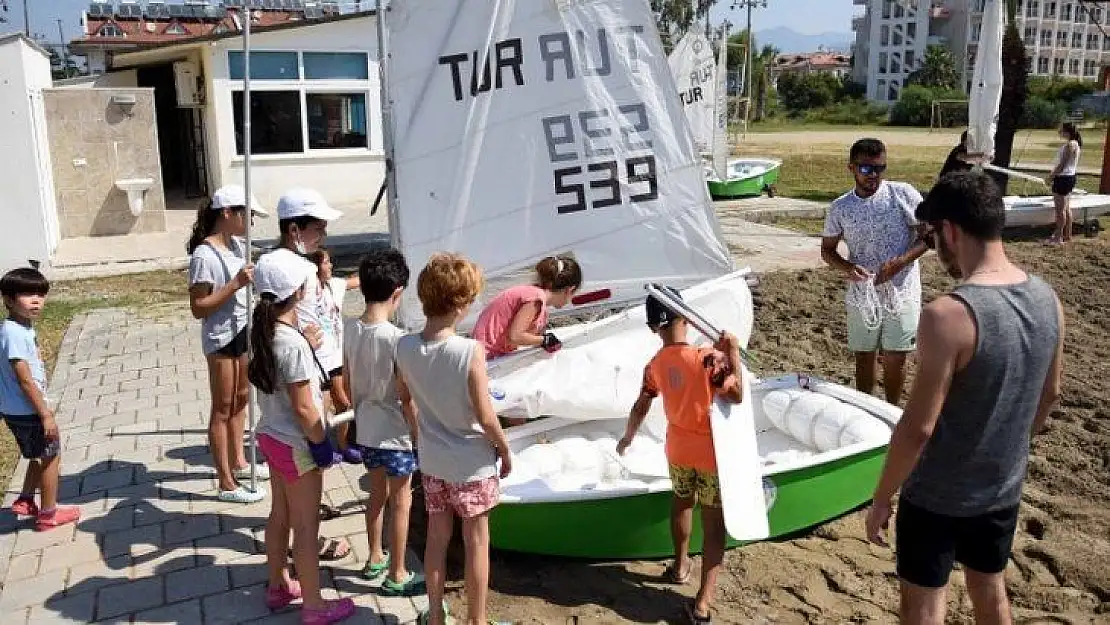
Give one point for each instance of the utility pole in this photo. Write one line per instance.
(749, 5)
(26, 20)
(63, 49)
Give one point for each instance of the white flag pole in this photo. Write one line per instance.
(251, 417)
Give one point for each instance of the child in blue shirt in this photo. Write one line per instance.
(23, 399)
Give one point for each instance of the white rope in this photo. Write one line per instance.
(874, 306)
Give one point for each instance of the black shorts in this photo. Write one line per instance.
(335, 373)
(1063, 185)
(928, 544)
(237, 347)
(31, 437)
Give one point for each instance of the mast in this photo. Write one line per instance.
(387, 127)
(251, 392)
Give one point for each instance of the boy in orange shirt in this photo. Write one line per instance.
(689, 378)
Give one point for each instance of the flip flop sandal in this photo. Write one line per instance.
(333, 548)
(425, 617)
(412, 585)
(374, 570)
(692, 615)
(673, 576)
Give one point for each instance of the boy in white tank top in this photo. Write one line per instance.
(460, 439)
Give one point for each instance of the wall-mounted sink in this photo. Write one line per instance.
(135, 188)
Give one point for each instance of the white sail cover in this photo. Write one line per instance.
(986, 82)
(720, 113)
(524, 128)
(695, 70)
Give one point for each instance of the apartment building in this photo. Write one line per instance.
(1062, 37)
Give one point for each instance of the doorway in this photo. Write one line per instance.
(180, 140)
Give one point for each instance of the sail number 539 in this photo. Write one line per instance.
(604, 183)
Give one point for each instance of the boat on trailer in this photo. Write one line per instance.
(592, 155)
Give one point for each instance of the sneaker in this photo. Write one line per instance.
(25, 506)
(262, 473)
(333, 611)
(242, 495)
(58, 517)
(413, 584)
(278, 598)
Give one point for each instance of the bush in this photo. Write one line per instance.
(850, 112)
(1040, 112)
(1063, 90)
(803, 92)
(914, 107)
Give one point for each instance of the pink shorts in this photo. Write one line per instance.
(466, 500)
(288, 462)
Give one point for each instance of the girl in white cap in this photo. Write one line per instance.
(219, 271)
(292, 436)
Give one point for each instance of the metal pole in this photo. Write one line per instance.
(64, 49)
(748, 73)
(387, 126)
(251, 417)
(26, 20)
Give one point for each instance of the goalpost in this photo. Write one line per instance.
(937, 110)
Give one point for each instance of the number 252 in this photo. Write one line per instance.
(640, 169)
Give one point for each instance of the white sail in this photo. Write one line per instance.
(986, 82)
(523, 129)
(695, 73)
(720, 113)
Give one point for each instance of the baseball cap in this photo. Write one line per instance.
(304, 202)
(658, 315)
(234, 196)
(281, 274)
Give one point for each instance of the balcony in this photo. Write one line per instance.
(858, 24)
(936, 40)
(861, 3)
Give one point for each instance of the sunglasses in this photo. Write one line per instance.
(870, 170)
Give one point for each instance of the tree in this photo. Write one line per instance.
(674, 17)
(801, 92)
(1015, 73)
(761, 64)
(938, 70)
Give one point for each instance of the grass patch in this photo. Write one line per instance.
(805, 225)
(71, 298)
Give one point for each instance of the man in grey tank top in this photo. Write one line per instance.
(988, 376)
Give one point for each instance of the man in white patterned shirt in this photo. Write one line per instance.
(876, 222)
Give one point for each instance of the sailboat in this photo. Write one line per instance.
(552, 127)
(702, 90)
(983, 107)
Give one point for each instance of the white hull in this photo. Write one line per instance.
(1038, 210)
(743, 168)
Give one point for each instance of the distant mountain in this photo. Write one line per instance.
(790, 41)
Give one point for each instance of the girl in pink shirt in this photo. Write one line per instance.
(517, 317)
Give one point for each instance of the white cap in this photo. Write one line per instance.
(281, 274)
(303, 202)
(234, 196)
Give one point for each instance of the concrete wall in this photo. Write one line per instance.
(94, 143)
(348, 178)
(27, 209)
(122, 79)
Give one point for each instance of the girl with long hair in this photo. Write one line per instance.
(1062, 179)
(219, 271)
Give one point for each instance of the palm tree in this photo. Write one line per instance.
(1015, 73)
(761, 64)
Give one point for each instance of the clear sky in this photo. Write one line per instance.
(804, 16)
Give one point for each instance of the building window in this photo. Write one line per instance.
(1092, 41)
(111, 29)
(1030, 36)
(1057, 66)
(1080, 15)
(911, 30)
(887, 5)
(896, 38)
(336, 120)
(1061, 39)
(1050, 10)
(336, 66)
(275, 122)
(1042, 65)
(976, 31)
(899, 10)
(895, 63)
(264, 65)
(909, 60)
(1105, 43)
(884, 35)
(176, 29)
(1089, 68)
(1033, 8)
(1046, 38)
(1065, 12)
(1073, 67)
(1077, 40)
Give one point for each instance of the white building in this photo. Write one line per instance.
(1062, 38)
(316, 119)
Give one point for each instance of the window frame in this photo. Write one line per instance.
(305, 86)
(111, 24)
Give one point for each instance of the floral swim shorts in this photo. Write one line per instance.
(691, 483)
(468, 499)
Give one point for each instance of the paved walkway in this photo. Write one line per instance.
(154, 544)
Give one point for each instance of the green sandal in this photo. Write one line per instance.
(373, 571)
(413, 584)
(425, 617)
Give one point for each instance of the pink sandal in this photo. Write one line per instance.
(278, 598)
(333, 611)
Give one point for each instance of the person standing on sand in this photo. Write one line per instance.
(875, 220)
(988, 375)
